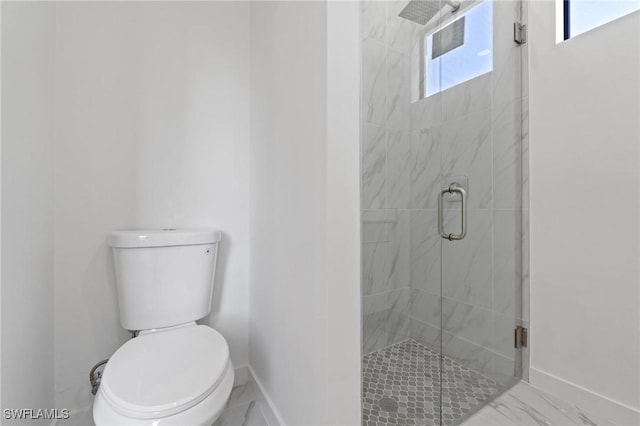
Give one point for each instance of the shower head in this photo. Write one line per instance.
(421, 11)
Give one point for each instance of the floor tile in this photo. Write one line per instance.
(403, 386)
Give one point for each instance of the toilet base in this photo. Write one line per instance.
(204, 413)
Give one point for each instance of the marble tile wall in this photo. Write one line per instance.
(480, 130)
(387, 169)
(409, 150)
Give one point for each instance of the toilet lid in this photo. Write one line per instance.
(164, 373)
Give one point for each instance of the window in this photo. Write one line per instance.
(583, 15)
(459, 51)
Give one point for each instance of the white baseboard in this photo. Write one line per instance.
(274, 418)
(592, 402)
(241, 375)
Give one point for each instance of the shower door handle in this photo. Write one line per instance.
(454, 188)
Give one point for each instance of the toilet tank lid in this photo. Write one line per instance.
(162, 237)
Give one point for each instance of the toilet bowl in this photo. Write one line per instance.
(179, 376)
(175, 372)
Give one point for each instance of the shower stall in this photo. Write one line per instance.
(444, 207)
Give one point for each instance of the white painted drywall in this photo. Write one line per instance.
(304, 332)
(1, 204)
(27, 209)
(585, 213)
(151, 130)
(342, 226)
(287, 219)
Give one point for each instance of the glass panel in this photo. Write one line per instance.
(482, 154)
(472, 55)
(439, 315)
(585, 15)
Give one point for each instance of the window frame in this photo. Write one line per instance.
(564, 33)
(566, 16)
(437, 25)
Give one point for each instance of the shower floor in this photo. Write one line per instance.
(402, 387)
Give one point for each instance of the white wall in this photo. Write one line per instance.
(342, 241)
(585, 304)
(1, 26)
(151, 130)
(304, 332)
(27, 233)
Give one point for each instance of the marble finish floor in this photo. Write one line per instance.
(402, 386)
(524, 405)
(246, 407)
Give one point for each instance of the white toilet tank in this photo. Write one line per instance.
(164, 277)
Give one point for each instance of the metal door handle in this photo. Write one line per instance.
(454, 188)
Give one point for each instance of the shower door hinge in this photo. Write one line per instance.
(519, 33)
(521, 338)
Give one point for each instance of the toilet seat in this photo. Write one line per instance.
(165, 372)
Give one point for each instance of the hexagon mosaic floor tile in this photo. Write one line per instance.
(402, 387)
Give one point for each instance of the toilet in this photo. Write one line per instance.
(175, 372)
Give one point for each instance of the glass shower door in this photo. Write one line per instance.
(477, 65)
(442, 140)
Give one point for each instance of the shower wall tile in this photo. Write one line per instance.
(466, 264)
(374, 274)
(503, 368)
(398, 91)
(466, 98)
(507, 62)
(425, 251)
(374, 312)
(467, 353)
(507, 262)
(426, 113)
(374, 82)
(525, 266)
(409, 149)
(524, 60)
(417, 77)
(466, 150)
(398, 169)
(374, 167)
(386, 173)
(503, 335)
(427, 334)
(399, 30)
(525, 210)
(398, 320)
(425, 307)
(374, 20)
(525, 153)
(399, 249)
(425, 168)
(505, 355)
(374, 226)
(525, 355)
(507, 155)
(468, 322)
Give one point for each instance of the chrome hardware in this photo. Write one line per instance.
(519, 33)
(454, 188)
(96, 376)
(520, 336)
